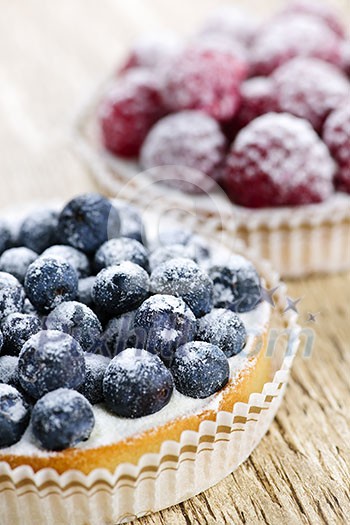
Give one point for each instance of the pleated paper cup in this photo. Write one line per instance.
(180, 470)
(298, 241)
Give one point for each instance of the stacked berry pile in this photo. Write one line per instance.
(243, 103)
(91, 313)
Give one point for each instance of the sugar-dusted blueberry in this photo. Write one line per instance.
(77, 320)
(166, 323)
(49, 360)
(16, 261)
(85, 287)
(39, 230)
(9, 370)
(121, 288)
(199, 246)
(88, 221)
(49, 282)
(224, 329)
(184, 278)
(92, 388)
(14, 415)
(77, 259)
(173, 251)
(5, 237)
(29, 308)
(200, 369)
(237, 285)
(137, 384)
(131, 224)
(119, 250)
(62, 419)
(11, 295)
(17, 329)
(120, 334)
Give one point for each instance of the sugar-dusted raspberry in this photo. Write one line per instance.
(206, 80)
(319, 9)
(291, 36)
(258, 97)
(129, 110)
(221, 43)
(336, 134)
(277, 160)
(188, 138)
(153, 50)
(310, 88)
(232, 22)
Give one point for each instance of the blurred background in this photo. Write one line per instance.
(52, 58)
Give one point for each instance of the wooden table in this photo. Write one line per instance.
(52, 56)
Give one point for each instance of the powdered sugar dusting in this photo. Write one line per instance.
(291, 36)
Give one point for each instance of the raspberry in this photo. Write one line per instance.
(206, 80)
(188, 138)
(320, 10)
(128, 111)
(258, 98)
(233, 23)
(296, 35)
(153, 50)
(310, 89)
(278, 160)
(336, 134)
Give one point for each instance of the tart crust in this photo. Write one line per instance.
(250, 380)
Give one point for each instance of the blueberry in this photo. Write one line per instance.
(85, 287)
(49, 282)
(77, 320)
(92, 388)
(62, 419)
(119, 334)
(137, 384)
(39, 230)
(77, 259)
(224, 329)
(11, 295)
(16, 261)
(198, 245)
(131, 224)
(1, 341)
(173, 251)
(119, 289)
(237, 285)
(88, 221)
(166, 322)
(5, 237)
(14, 415)
(50, 360)
(17, 329)
(119, 250)
(9, 370)
(200, 369)
(184, 278)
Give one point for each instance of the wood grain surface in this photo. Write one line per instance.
(52, 56)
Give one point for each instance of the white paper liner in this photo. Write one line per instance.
(297, 240)
(179, 471)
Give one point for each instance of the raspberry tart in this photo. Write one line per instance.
(164, 351)
(245, 126)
